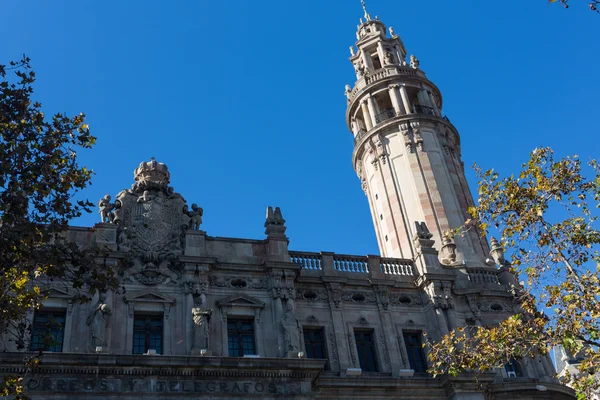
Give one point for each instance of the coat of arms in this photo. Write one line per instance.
(152, 221)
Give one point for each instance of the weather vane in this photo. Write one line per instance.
(364, 6)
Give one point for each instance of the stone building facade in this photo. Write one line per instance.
(210, 317)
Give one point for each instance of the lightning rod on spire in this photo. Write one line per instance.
(364, 6)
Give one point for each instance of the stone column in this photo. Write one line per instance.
(380, 53)
(423, 97)
(396, 101)
(434, 104)
(372, 106)
(366, 115)
(442, 322)
(405, 101)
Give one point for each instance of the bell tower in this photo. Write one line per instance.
(406, 152)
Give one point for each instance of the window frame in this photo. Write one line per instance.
(41, 331)
(148, 330)
(240, 332)
(363, 347)
(322, 330)
(418, 335)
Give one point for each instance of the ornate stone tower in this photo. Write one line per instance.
(406, 152)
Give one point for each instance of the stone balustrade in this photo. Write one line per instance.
(307, 260)
(338, 263)
(397, 266)
(483, 276)
(380, 74)
(350, 263)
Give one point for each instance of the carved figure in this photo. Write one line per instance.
(347, 91)
(195, 217)
(448, 251)
(97, 320)
(392, 32)
(291, 329)
(422, 230)
(388, 57)
(201, 318)
(145, 197)
(106, 207)
(414, 62)
(497, 252)
(352, 51)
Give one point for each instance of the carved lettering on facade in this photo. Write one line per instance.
(95, 385)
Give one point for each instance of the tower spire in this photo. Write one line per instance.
(364, 6)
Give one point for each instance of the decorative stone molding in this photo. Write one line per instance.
(352, 349)
(406, 299)
(237, 282)
(311, 319)
(358, 296)
(440, 293)
(149, 297)
(334, 359)
(335, 293)
(310, 294)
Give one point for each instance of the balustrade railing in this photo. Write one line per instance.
(379, 74)
(483, 276)
(359, 135)
(385, 115)
(421, 109)
(350, 263)
(394, 266)
(310, 261)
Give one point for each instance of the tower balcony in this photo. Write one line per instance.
(383, 74)
(387, 114)
(424, 110)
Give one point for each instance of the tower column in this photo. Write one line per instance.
(372, 109)
(423, 97)
(366, 115)
(434, 104)
(395, 97)
(404, 95)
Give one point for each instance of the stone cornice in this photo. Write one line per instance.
(359, 146)
(173, 366)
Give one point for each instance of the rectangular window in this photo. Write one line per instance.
(414, 350)
(147, 333)
(314, 343)
(365, 345)
(240, 337)
(48, 331)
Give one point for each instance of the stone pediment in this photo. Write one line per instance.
(53, 292)
(240, 301)
(149, 296)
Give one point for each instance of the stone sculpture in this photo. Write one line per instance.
(448, 251)
(414, 62)
(291, 329)
(106, 208)
(388, 57)
(347, 91)
(97, 321)
(152, 220)
(195, 217)
(201, 318)
(392, 32)
(352, 51)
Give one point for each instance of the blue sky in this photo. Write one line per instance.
(243, 100)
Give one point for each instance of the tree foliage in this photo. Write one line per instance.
(593, 4)
(39, 177)
(546, 220)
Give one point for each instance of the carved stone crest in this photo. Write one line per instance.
(152, 220)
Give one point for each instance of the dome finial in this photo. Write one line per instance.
(364, 6)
